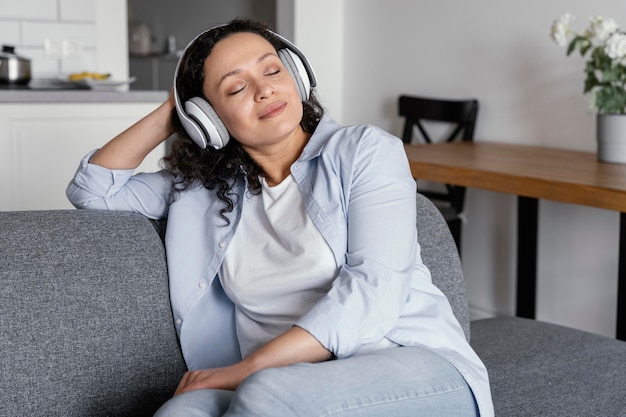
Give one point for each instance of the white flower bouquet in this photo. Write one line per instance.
(605, 70)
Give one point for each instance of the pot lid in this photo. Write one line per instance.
(8, 51)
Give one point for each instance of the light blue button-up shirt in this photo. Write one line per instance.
(359, 192)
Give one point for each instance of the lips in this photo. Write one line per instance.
(273, 110)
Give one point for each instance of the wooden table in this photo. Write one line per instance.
(531, 173)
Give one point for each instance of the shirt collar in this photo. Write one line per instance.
(324, 131)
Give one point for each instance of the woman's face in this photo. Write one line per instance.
(252, 92)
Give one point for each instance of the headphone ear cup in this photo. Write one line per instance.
(296, 68)
(205, 116)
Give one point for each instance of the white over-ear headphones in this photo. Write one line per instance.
(200, 120)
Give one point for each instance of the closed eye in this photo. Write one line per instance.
(237, 91)
(240, 89)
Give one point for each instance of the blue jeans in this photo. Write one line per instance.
(401, 381)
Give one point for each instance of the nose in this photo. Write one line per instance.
(264, 90)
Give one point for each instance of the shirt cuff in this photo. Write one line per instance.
(332, 326)
(100, 181)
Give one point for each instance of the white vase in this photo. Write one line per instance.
(611, 137)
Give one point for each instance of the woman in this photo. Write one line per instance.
(296, 282)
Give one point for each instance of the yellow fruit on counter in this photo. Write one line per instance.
(78, 76)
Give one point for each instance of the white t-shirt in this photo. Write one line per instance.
(277, 265)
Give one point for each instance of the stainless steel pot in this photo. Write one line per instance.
(14, 69)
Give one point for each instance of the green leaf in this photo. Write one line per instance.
(590, 82)
(584, 48)
(579, 42)
(610, 100)
(610, 75)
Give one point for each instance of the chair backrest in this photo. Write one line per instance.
(440, 255)
(460, 114)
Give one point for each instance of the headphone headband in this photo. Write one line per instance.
(199, 118)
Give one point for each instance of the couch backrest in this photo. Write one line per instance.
(440, 255)
(86, 325)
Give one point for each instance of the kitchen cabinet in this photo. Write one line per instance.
(152, 72)
(41, 145)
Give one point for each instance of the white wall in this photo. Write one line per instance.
(64, 36)
(111, 33)
(368, 52)
(323, 46)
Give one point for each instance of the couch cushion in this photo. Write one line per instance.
(541, 369)
(440, 255)
(86, 322)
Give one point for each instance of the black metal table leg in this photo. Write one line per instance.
(621, 280)
(527, 224)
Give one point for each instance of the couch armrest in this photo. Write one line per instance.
(84, 309)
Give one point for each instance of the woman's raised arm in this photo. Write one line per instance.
(128, 149)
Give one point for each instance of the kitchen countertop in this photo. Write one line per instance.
(25, 95)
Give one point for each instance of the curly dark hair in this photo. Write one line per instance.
(220, 169)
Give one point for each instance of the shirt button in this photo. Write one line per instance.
(178, 322)
(202, 284)
(222, 245)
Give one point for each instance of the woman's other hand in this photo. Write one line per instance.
(293, 346)
(228, 378)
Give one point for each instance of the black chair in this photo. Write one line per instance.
(460, 117)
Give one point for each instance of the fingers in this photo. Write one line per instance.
(219, 378)
(182, 384)
(193, 380)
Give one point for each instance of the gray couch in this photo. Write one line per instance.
(87, 328)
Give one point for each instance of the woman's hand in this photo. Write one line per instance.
(294, 345)
(228, 378)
